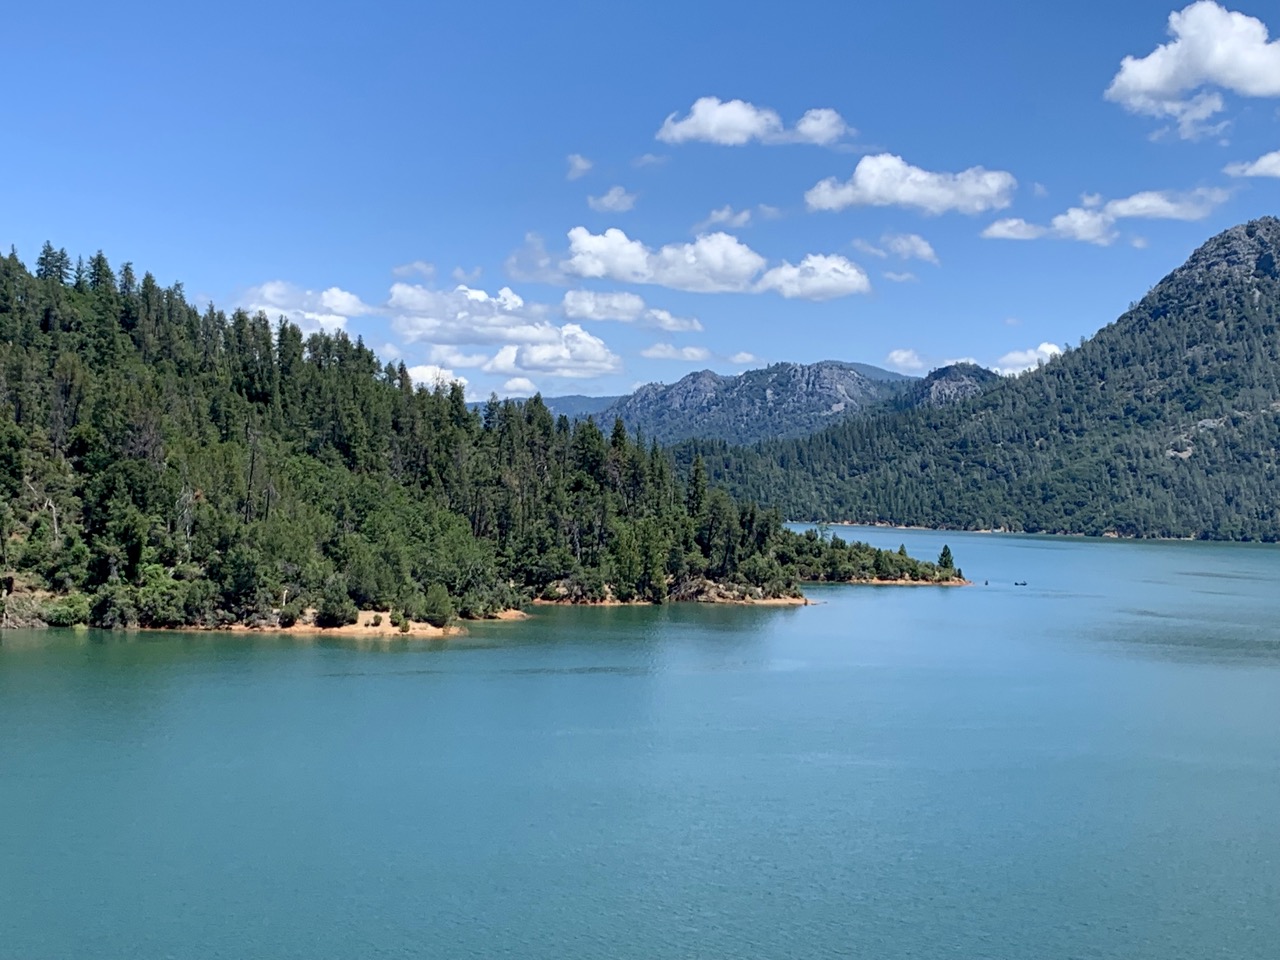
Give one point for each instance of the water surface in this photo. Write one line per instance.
(1087, 766)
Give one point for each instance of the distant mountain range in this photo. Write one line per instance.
(778, 401)
(1165, 423)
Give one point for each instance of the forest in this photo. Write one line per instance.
(164, 466)
(1166, 423)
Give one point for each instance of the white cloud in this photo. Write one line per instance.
(590, 305)
(1139, 243)
(431, 375)
(1095, 221)
(667, 351)
(904, 360)
(1013, 228)
(1016, 361)
(1039, 189)
(574, 353)
(531, 262)
(1080, 223)
(1211, 47)
(884, 180)
(616, 200)
(328, 310)
(768, 212)
(1268, 165)
(422, 267)
(623, 307)
(648, 160)
(579, 166)
(665, 320)
(466, 315)
(713, 263)
(519, 387)
(733, 123)
(724, 216)
(910, 246)
(818, 276)
(388, 352)
(1164, 205)
(743, 357)
(448, 355)
(869, 248)
(466, 276)
(903, 277)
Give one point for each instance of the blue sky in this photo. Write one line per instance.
(579, 197)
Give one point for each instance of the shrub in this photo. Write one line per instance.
(438, 608)
(377, 619)
(66, 612)
(336, 608)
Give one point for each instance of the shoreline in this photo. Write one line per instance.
(1004, 531)
(741, 602)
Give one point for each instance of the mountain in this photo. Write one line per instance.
(782, 400)
(1165, 423)
(946, 386)
(576, 406)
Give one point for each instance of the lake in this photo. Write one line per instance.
(1087, 766)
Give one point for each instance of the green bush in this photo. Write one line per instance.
(438, 608)
(336, 607)
(67, 611)
(113, 607)
(377, 619)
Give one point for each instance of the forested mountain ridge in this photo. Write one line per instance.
(1166, 423)
(781, 400)
(164, 466)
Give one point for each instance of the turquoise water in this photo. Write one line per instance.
(1084, 767)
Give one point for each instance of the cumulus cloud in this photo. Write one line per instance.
(531, 262)
(1268, 165)
(326, 310)
(519, 387)
(713, 263)
(910, 246)
(667, 351)
(623, 307)
(724, 216)
(447, 355)
(1013, 228)
(1016, 361)
(574, 353)
(579, 166)
(1095, 221)
(904, 360)
(421, 267)
(432, 375)
(818, 276)
(743, 357)
(466, 316)
(616, 200)
(1212, 47)
(734, 123)
(884, 180)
